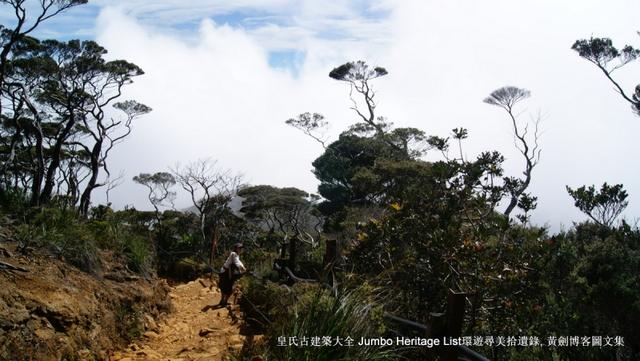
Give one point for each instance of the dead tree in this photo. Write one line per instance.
(211, 188)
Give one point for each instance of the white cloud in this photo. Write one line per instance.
(216, 96)
(448, 56)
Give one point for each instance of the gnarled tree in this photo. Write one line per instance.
(17, 125)
(211, 188)
(358, 74)
(605, 56)
(159, 186)
(25, 23)
(311, 125)
(506, 98)
(59, 92)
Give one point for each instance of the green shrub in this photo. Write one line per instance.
(13, 202)
(309, 310)
(592, 287)
(78, 241)
(138, 252)
(63, 234)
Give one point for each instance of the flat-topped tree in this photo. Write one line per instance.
(311, 125)
(289, 211)
(527, 144)
(274, 207)
(358, 74)
(159, 186)
(605, 56)
(410, 142)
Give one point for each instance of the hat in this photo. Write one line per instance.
(238, 246)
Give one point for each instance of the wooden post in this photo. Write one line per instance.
(455, 313)
(455, 317)
(437, 325)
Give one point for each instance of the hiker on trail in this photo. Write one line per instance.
(230, 272)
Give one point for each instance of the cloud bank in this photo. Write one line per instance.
(214, 93)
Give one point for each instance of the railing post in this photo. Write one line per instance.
(444, 326)
(455, 313)
(437, 325)
(455, 316)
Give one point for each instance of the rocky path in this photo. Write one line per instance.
(194, 331)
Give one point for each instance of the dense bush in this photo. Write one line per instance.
(311, 310)
(77, 239)
(592, 287)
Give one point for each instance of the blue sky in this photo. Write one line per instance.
(343, 21)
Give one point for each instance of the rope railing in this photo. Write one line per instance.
(406, 322)
(296, 278)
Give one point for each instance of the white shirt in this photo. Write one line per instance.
(233, 259)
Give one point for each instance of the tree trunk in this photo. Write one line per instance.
(292, 253)
(45, 196)
(85, 200)
(38, 175)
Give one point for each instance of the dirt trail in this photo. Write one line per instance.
(194, 331)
